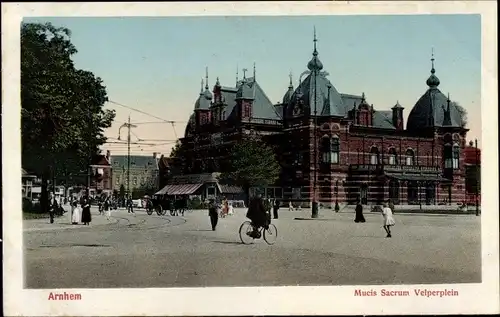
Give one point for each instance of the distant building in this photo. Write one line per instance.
(144, 171)
(101, 180)
(28, 182)
(472, 173)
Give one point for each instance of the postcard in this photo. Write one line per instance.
(250, 158)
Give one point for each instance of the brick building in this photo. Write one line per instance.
(101, 180)
(352, 150)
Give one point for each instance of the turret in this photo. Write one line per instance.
(397, 116)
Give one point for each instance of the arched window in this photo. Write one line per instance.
(456, 156)
(448, 156)
(393, 156)
(410, 157)
(374, 156)
(330, 148)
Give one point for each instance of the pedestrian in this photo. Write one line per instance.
(359, 213)
(86, 215)
(130, 205)
(388, 220)
(213, 214)
(290, 206)
(75, 213)
(276, 207)
(230, 208)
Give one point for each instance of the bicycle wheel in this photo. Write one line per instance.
(149, 211)
(245, 229)
(159, 210)
(270, 234)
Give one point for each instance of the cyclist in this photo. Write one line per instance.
(257, 214)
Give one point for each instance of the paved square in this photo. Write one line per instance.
(163, 251)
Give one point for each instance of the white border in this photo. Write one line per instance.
(473, 299)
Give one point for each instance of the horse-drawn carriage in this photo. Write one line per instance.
(162, 203)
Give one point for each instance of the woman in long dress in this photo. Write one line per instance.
(75, 213)
(388, 220)
(86, 216)
(359, 213)
(230, 208)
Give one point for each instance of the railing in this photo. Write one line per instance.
(395, 168)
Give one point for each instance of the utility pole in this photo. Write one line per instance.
(127, 125)
(315, 205)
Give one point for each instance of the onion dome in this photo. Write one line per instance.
(207, 93)
(432, 81)
(315, 64)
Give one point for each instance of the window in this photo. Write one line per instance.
(374, 156)
(410, 157)
(456, 156)
(448, 156)
(330, 149)
(392, 156)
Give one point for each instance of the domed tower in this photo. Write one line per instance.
(315, 95)
(431, 109)
(202, 105)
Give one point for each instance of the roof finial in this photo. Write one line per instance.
(206, 77)
(291, 84)
(244, 73)
(432, 61)
(237, 75)
(363, 97)
(201, 91)
(253, 71)
(315, 53)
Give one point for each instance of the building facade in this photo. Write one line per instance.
(102, 175)
(144, 171)
(332, 146)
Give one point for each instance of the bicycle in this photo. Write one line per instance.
(270, 234)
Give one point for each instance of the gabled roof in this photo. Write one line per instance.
(120, 161)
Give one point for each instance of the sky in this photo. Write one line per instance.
(155, 64)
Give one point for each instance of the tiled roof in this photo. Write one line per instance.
(430, 104)
(194, 178)
(120, 161)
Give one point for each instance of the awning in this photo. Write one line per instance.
(185, 189)
(421, 178)
(229, 189)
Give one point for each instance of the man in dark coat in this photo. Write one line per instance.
(276, 207)
(212, 212)
(257, 213)
(359, 213)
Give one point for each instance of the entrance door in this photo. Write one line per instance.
(430, 194)
(412, 193)
(394, 191)
(363, 194)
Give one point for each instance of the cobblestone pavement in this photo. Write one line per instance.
(163, 251)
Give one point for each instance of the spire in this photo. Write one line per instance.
(201, 90)
(447, 112)
(315, 53)
(432, 81)
(315, 64)
(206, 78)
(397, 105)
(236, 74)
(253, 71)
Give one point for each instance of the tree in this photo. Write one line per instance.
(463, 113)
(176, 149)
(252, 163)
(62, 115)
